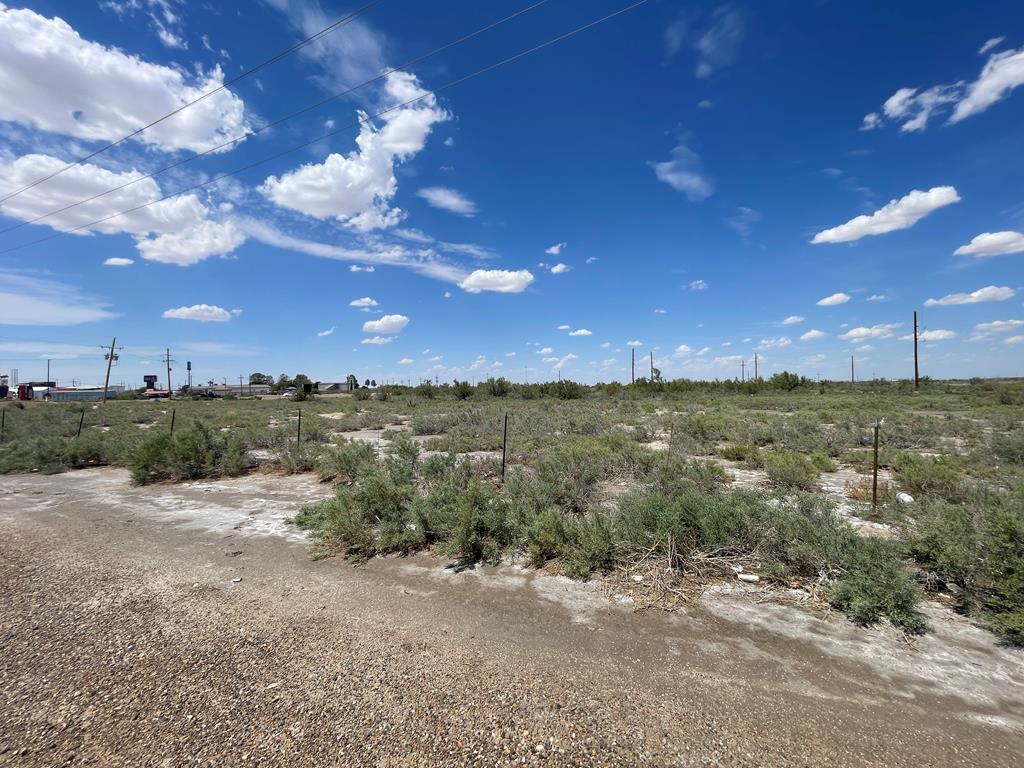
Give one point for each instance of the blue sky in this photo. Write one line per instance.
(704, 181)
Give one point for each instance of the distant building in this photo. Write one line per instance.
(47, 391)
(239, 390)
(334, 387)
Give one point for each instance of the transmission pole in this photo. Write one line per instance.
(852, 379)
(111, 356)
(652, 366)
(917, 379)
(167, 362)
(632, 370)
(743, 371)
(755, 366)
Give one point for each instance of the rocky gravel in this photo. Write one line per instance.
(127, 641)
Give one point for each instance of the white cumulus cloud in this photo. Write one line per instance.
(203, 313)
(895, 215)
(986, 331)
(389, 324)
(793, 320)
(356, 189)
(54, 80)
(580, 332)
(555, 249)
(118, 261)
(988, 293)
(498, 280)
(378, 340)
(813, 334)
(365, 302)
(834, 300)
(993, 244)
(559, 268)
(880, 331)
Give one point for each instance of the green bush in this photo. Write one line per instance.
(823, 462)
(790, 470)
(192, 453)
(1010, 448)
(936, 476)
(345, 462)
(978, 546)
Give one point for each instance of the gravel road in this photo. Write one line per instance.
(187, 625)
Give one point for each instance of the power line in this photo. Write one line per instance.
(361, 120)
(248, 73)
(280, 120)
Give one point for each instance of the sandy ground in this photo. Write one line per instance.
(187, 625)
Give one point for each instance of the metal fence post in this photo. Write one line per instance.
(504, 447)
(874, 471)
(81, 420)
(298, 432)
(173, 412)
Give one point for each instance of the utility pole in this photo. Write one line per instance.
(743, 371)
(47, 373)
(111, 356)
(168, 361)
(652, 366)
(241, 387)
(853, 380)
(755, 366)
(917, 378)
(632, 374)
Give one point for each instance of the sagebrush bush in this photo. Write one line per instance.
(936, 476)
(979, 546)
(345, 462)
(190, 454)
(786, 469)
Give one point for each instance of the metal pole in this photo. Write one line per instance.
(110, 362)
(632, 375)
(874, 474)
(755, 366)
(47, 373)
(173, 412)
(81, 419)
(504, 447)
(652, 366)
(917, 379)
(298, 433)
(852, 379)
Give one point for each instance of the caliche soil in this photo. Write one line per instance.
(187, 625)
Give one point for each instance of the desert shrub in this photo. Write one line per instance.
(190, 454)
(570, 472)
(345, 462)
(876, 584)
(790, 470)
(978, 546)
(935, 476)
(738, 452)
(672, 474)
(300, 457)
(1010, 448)
(823, 462)
(463, 390)
(499, 387)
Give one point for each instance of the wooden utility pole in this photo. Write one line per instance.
(110, 362)
(168, 361)
(652, 366)
(917, 378)
(755, 366)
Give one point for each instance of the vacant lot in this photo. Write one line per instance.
(711, 524)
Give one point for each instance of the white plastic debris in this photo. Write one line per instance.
(750, 578)
(904, 498)
(638, 579)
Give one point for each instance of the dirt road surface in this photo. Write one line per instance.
(187, 625)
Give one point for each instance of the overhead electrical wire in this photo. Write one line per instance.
(329, 134)
(280, 120)
(223, 86)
